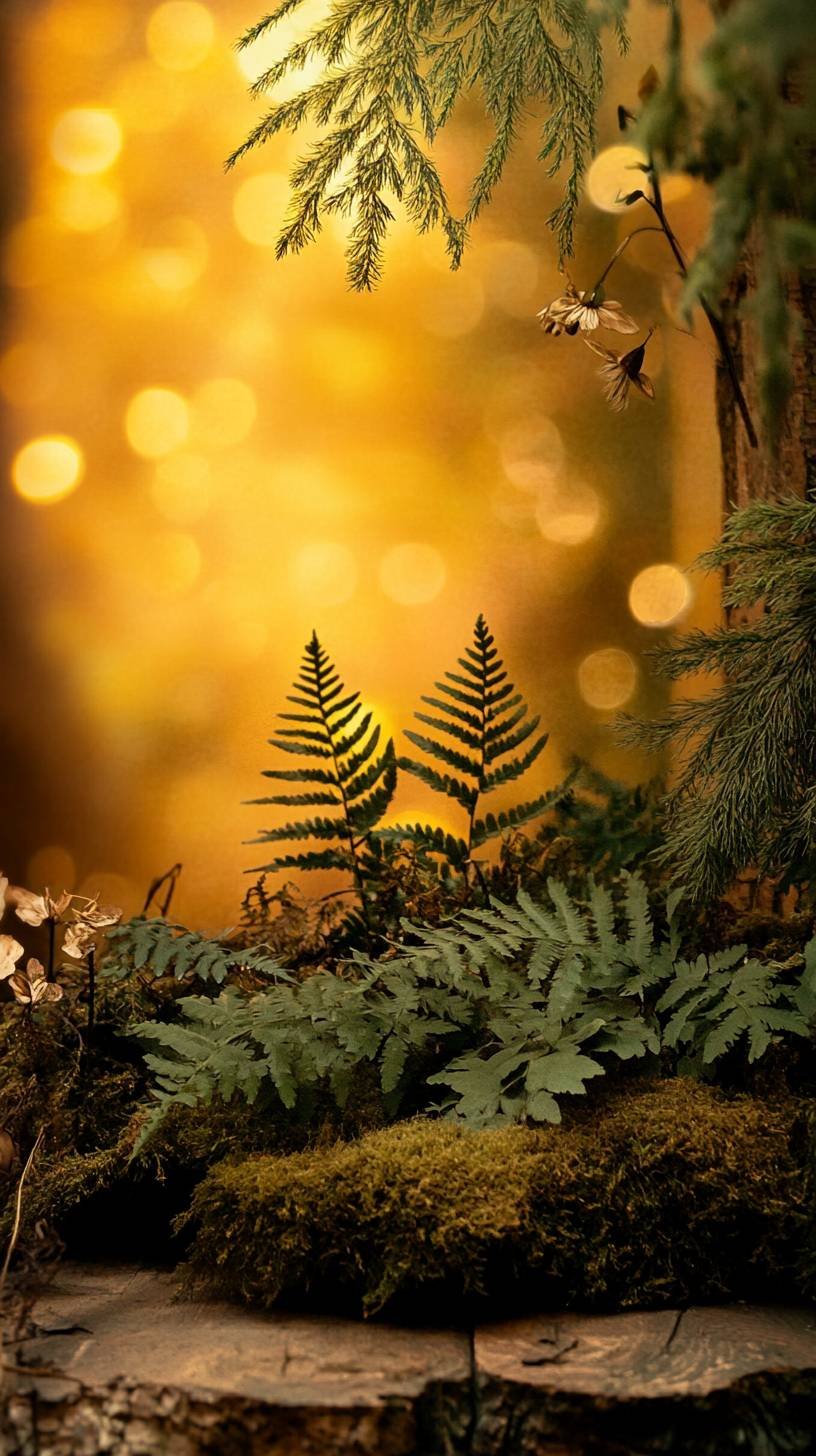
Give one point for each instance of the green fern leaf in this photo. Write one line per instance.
(337, 730)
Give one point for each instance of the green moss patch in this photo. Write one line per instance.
(670, 1193)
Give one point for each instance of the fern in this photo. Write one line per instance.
(717, 1001)
(394, 71)
(348, 774)
(508, 1009)
(480, 710)
(166, 949)
(516, 987)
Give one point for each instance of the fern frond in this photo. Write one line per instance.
(336, 730)
(492, 724)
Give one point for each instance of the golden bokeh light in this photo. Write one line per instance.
(607, 678)
(157, 421)
(570, 517)
(180, 35)
(47, 469)
(412, 573)
(182, 488)
(659, 595)
(86, 140)
(258, 208)
(52, 867)
(176, 255)
(532, 453)
(324, 573)
(617, 171)
(114, 889)
(223, 412)
(85, 204)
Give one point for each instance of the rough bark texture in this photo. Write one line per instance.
(757, 474)
(116, 1365)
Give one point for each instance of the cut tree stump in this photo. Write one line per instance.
(119, 1364)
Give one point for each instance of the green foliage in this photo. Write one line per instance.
(668, 1195)
(746, 789)
(165, 949)
(348, 774)
(508, 1008)
(747, 127)
(488, 721)
(394, 71)
(716, 1001)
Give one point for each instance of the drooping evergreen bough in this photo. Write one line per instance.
(745, 793)
(742, 117)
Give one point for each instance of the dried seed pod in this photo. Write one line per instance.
(8, 1152)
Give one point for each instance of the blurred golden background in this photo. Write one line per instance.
(208, 453)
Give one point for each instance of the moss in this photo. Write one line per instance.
(666, 1193)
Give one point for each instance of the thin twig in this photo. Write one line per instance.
(12, 1244)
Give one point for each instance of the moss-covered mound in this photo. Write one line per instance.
(672, 1193)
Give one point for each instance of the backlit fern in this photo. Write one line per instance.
(344, 772)
(480, 710)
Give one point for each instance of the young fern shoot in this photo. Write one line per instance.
(481, 711)
(347, 773)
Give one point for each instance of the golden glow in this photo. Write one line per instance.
(86, 140)
(85, 204)
(30, 258)
(324, 573)
(224, 412)
(148, 99)
(180, 35)
(51, 867)
(452, 306)
(156, 422)
(28, 374)
(258, 208)
(659, 595)
(412, 573)
(46, 470)
(177, 254)
(532, 453)
(172, 563)
(570, 518)
(87, 27)
(510, 277)
(607, 678)
(182, 488)
(113, 889)
(617, 171)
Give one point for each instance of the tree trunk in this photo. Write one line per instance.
(750, 474)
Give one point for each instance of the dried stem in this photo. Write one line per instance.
(15, 1232)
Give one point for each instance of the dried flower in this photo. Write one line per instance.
(78, 940)
(576, 311)
(619, 371)
(99, 917)
(10, 952)
(8, 1151)
(31, 985)
(34, 909)
(3, 889)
